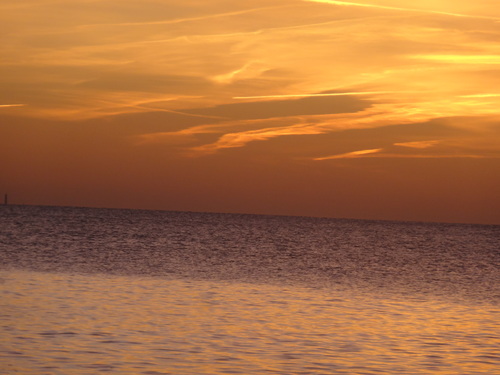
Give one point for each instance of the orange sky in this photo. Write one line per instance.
(377, 109)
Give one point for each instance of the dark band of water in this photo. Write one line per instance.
(453, 261)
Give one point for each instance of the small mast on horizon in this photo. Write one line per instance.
(6, 199)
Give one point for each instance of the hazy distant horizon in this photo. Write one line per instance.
(247, 213)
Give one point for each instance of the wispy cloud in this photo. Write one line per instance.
(404, 9)
(348, 155)
(149, 108)
(461, 59)
(188, 19)
(417, 144)
(240, 139)
(480, 96)
(11, 105)
(250, 70)
(293, 96)
(382, 153)
(179, 136)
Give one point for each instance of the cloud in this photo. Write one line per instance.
(417, 144)
(404, 9)
(240, 139)
(179, 136)
(11, 105)
(290, 107)
(293, 96)
(434, 156)
(380, 153)
(186, 19)
(348, 155)
(127, 81)
(481, 96)
(462, 59)
(250, 70)
(455, 143)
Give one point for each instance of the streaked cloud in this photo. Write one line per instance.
(381, 153)
(353, 154)
(462, 59)
(186, 19)
(481, 96)
(240, 139)
(250, 70)
(417, 144)
(293, 96)
(11, 105)
(396, 8)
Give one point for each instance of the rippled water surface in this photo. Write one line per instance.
(84, 291)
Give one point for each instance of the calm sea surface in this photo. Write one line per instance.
(85, 291)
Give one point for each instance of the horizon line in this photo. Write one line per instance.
(253, 214)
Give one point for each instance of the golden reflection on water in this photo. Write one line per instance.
(61, 323)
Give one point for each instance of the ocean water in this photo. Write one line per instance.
(85, 291)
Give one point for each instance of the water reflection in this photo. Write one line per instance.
(62, 323)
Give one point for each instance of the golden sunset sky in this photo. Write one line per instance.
(377, 109)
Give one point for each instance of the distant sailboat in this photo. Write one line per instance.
(6, 199)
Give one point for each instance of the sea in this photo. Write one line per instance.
(88, 290)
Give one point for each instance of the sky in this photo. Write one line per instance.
(371, 109)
